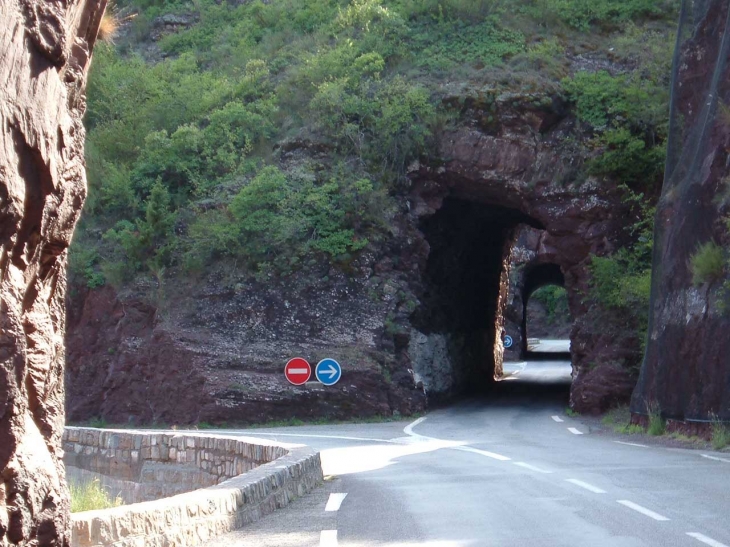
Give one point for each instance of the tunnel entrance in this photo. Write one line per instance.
(546, 320)
(459, 321)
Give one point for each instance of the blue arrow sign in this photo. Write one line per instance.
(328, 372)
(508, 341)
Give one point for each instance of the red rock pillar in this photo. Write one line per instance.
(686, 369)
(45, 50)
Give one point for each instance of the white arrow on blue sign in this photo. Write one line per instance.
(328, 372)
(508, 341)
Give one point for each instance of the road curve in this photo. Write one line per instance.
(510, 469)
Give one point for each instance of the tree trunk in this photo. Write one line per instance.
(45, 49)
(686, 369)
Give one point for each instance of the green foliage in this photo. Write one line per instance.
(144, 243)
(582, 14)
(83, 261)
(621, 282)
(91, 496)
(628, 157)
(630, 124)
(546, 57)
(657, 424)
(456, 41)
(176, 148)
(555, 300)
(385, 122)
(708, 263)
(720, 434)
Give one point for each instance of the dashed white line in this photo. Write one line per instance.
(643, 510)
(574, 431)
(587, 486)
(557, 419)
(492, 455)
(631, 444)
(704, 539)
(715, 458)
(334, 502)
(328, 538)
(532, 467)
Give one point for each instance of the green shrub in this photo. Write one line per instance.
(362, 81)
(720, 434)
(582, 14)
(657, 424)
(708, 263)
(90, 496)
(555, 300)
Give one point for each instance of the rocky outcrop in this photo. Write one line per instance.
(45, 49)
(525, 166)
(417, 317)
(686, 367)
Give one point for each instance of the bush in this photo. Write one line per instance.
(362, 80)
(657, 424)
(555, 300)
(708, 263)
(90, 496)
(720, 434)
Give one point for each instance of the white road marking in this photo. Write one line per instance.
(643, 510)
(557, 419)
(298, 371)
(587, 486)
(408, 430)
(715, 458)
(328, 538)
(704, 539)
(334, 502)
(531, 467)
(482, 453)
(631, 444)
(574, 431)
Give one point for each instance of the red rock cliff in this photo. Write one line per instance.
(45, 50)
(687, 364)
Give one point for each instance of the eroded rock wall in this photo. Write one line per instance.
(686, 370)
(45, 50)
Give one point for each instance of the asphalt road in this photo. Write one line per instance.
(510, 469)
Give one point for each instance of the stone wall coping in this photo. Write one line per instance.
(193, 518)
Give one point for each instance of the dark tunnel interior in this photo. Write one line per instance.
(465, 273)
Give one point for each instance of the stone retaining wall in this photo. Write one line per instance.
(257, 477)
(146, 466)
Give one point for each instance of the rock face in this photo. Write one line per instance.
(45, 49)
(415, 318)
(686, 367)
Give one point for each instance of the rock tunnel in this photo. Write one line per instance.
(458, 344)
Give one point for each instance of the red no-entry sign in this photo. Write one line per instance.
(298, 371)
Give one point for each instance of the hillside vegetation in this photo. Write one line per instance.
(185, 133)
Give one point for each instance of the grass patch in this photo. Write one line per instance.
(91, 496)
(570, 412)
(630, 429)
(657, 424)
(708, 263)
(684, 438)
(720, 435)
